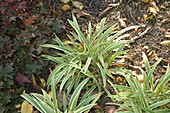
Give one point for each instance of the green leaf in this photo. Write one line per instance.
(85, 68)
(84, 108)
(103, 73)
(58, 60)
(75, 25)
(106, 33)
(58, 48)
(163, 81)
(76, 93)
(141, 93)
(162, 111)
(135, 108)
(122, 87)
(58, 40)
(54, 73)
(158, 104)
(53, 89)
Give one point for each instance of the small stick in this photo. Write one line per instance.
(111, 6)
(143, 33)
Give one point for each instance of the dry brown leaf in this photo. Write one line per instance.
(155, 56)
(155, 6)
(152, 10)
(166, 61)
(65, 7)
(83, 14)
(110, 109)
(34, 83)
(52, 10)
(167, 34)
(162, 29)
(30, 20)
(65, 1)
(165, 43)
(50, 70)
(122, 22)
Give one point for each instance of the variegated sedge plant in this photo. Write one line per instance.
(48, 104)
(151, 96)
(86, 56)
(79, 64)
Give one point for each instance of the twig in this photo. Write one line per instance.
(111, 6)
(143, 33)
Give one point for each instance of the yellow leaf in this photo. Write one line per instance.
(147, 17)
(50, 70)
(26, 107)
(146, 1)
(50, 94)
(65, 1)
(43, 82)
(18, 106)
(65, 7)
(165, 43)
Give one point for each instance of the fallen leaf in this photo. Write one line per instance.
(155, 6)
(155, 55)
(34, 83)
(165, 43)
(122, 22)
(110, 109)
(52, 10)
(166, 61)
(152, 10)
(120, 63)
(147, 17)
(83, 14)
(167, 34)
(146, 1)
(26, 107)
(50, 94)
(50, 70)
(29, 20)
(43, 82)
(65, 7)
(18, 106)
(65, 1)
(21, 78)
(77, 4)
(162, 30)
